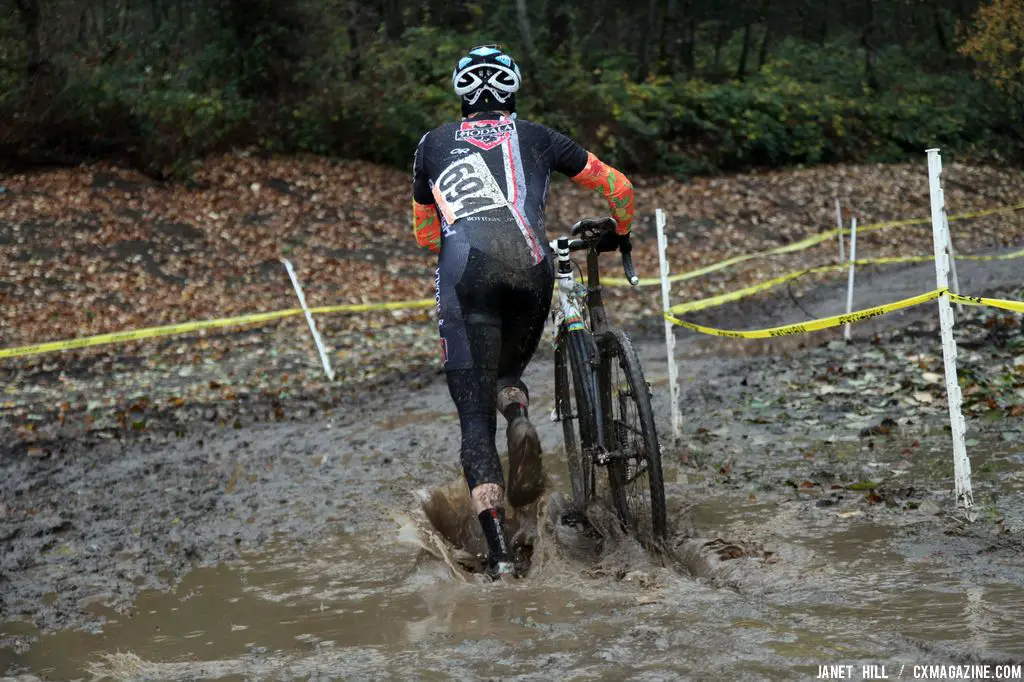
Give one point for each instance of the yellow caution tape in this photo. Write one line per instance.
(1015, 306)
(812, 325)
(721, 265)
(729, 297)
(738, 294)
(185, 327)
(168, 330)
(1005, 256)
(367, 307)
(858, 316)
(949, 219)
(807, 243)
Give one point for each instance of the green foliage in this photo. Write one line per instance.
(788, 113)
(159, 124)
(163, 100)
(12, 59)
(996, 43)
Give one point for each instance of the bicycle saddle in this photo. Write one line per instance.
(593, 228)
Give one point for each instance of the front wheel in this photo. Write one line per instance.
(575, 404)
(634, 454)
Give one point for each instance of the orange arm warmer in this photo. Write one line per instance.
(426, 225)
(616, 188)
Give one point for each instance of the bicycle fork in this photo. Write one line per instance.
(572, 319)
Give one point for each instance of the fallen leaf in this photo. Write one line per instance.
(883, 428)
(863, 485)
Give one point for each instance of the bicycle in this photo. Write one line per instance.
(606, 416)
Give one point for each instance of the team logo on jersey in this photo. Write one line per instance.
(485, 134)
(459, 150)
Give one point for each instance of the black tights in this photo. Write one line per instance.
(492, 319)
(475, 392)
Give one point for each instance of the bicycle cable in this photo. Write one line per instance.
(578, 269)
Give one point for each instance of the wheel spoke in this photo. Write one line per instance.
(619, 424)
(635, 464)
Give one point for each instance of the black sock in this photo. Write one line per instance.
(493, 523)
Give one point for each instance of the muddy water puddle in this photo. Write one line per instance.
(376, 606)
(353, 593)
(810, 585)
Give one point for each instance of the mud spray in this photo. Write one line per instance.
(551, 539)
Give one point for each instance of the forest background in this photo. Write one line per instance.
(676, 87)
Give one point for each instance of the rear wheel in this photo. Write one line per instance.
(634, 466)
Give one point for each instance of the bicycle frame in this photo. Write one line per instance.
(575, 301)
(571, 295)
(588, 349)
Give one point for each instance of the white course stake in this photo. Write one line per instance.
(670, 338)
(849, 281)
(955, 285)
(309, 318)
(839, 225)
(961, 465)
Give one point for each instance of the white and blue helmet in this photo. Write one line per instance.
(486, 79)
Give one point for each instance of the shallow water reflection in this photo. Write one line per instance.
(362, 605)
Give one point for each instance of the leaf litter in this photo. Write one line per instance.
(98, 249)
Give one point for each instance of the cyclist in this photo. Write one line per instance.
(479, 191)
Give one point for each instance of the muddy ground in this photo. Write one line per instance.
(810, 498)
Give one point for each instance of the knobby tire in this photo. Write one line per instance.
(577, 411)
(634, 471)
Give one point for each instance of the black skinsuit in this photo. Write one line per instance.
(488, 177)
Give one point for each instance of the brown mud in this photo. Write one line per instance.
(810, 503)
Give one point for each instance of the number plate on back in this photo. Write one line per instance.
(467, 187)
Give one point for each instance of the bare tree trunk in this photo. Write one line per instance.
(155, 14)
(559, 23)
(524, 27)
(805, 16)
(690, 47)
(643, 67)
(393, 21)
(719, 41)
(30, 14)
(763, 18)
(354, 57)
(126, 8)
(940, 33)
(666, 6)
(762, 54)
(83, 27)
(870, 51)
(436, 9)
(107, 17)
(741, 70)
